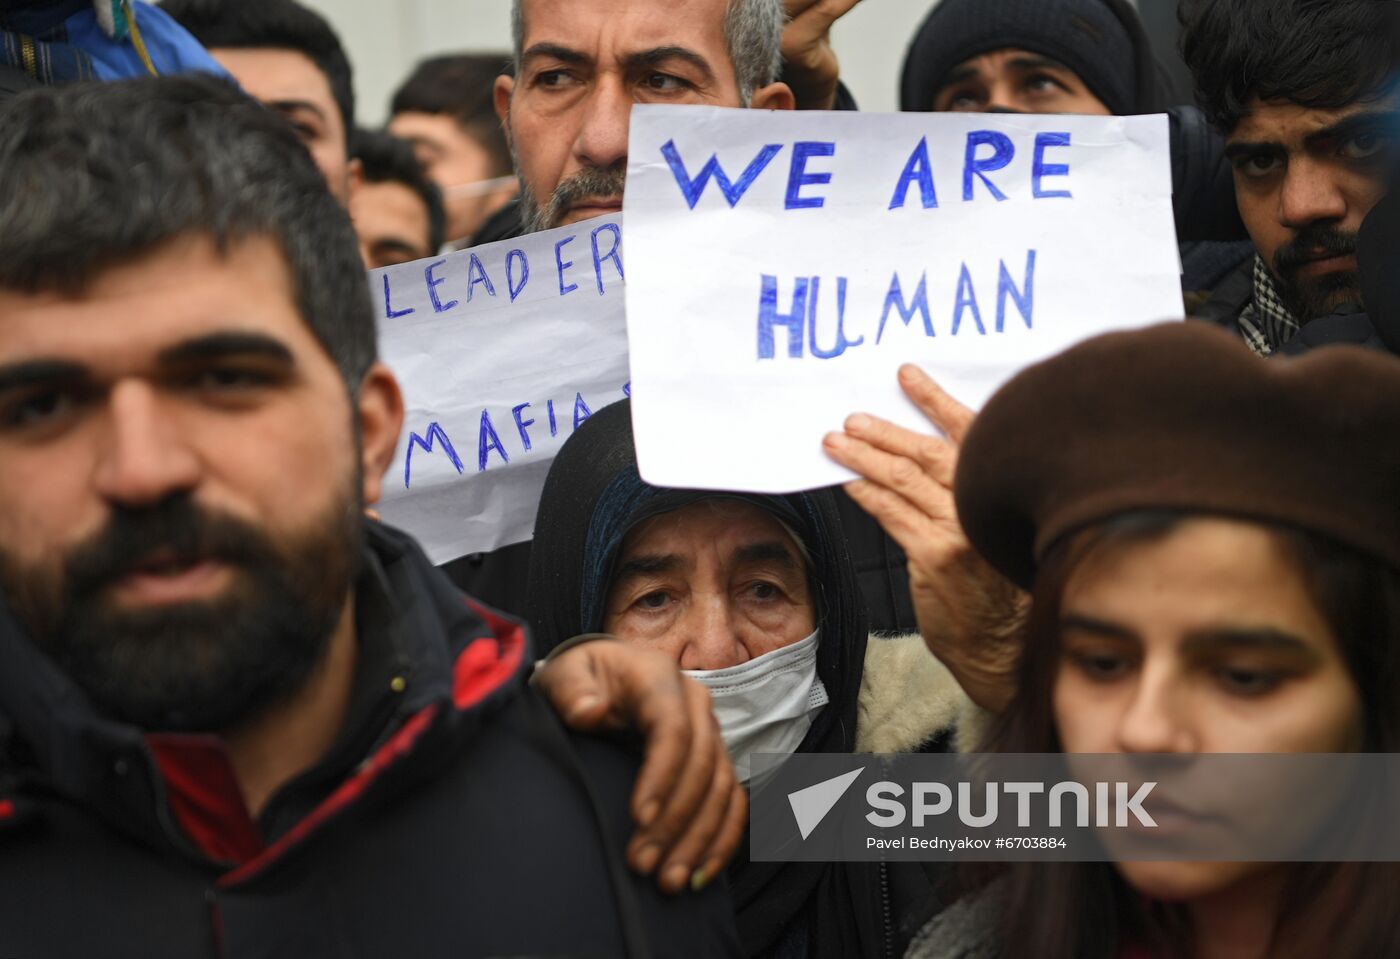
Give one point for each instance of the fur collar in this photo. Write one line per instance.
(908, 697)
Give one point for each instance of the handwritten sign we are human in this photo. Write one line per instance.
(783, 265)
(502, 351)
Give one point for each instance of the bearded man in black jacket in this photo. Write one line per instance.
(1305, 93)
(237, 718)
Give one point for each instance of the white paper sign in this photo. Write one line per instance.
(783, 265)
(502, 350)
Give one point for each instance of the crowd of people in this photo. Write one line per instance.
(242, 717)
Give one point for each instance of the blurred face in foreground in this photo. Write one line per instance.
(583, 64)
(289, 82)
(715, 584)
(1015, 81)
(184, 476)
(1203, 640)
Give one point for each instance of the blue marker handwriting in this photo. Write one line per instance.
(501, 435)
(805, 315)
(589, 260)
(980, 176)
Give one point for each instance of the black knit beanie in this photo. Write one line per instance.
(1087, 36)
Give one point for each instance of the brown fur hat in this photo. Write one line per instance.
(1183, 416)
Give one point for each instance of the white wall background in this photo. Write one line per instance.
(385, 38)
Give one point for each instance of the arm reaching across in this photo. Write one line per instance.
(688, 805)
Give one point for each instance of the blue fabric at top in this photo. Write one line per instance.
(170, 46)
(76, 48)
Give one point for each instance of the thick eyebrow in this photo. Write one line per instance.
(396, 246)
(1075, 622)
(1253, 148)
(772, 551)
(423, 143)
(1347, 126)
(292, 106)
(555, 51)
(647, 564)
(227, 346)
(17, 376)
(1351, 125)
(1205, 641)
(1038, 63)
(963, 71)
(966, 71)
(215, 346)
(656, 56)
(1264, 639)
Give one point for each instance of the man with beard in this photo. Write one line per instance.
(578, 72)
(580, 65)
(236, 717)
(1305, 93)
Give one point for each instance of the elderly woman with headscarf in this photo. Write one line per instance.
(756, 597)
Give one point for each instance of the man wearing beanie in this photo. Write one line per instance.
(1032, 56)
(1087, 57)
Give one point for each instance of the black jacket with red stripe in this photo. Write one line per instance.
(454, 817)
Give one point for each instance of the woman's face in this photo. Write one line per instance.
(714, 584)
(1205, 640)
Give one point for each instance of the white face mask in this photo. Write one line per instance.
(766, 705)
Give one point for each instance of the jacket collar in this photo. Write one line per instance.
(463, 662)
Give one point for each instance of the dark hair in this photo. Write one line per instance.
(272, 23)
(1086, 910)
(1323, 54)
(96, 175)
(460, 86)
(389, 159)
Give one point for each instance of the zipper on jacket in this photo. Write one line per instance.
(887, 909)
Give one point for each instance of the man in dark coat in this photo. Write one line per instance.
(572, 162)
(237, 718)
(1304, 92)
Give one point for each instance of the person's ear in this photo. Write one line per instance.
(503, 91)
(775, 96)
(355, 178)
(380, 411)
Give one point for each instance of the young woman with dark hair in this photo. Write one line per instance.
(1204, 580)
(1116, 613)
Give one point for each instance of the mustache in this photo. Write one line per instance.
(1314, 241)
(599, 182)
(175, 530)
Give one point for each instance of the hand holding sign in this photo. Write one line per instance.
(970, 617)
(809, 62)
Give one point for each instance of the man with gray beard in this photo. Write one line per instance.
(566, 120)
(580, 65)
